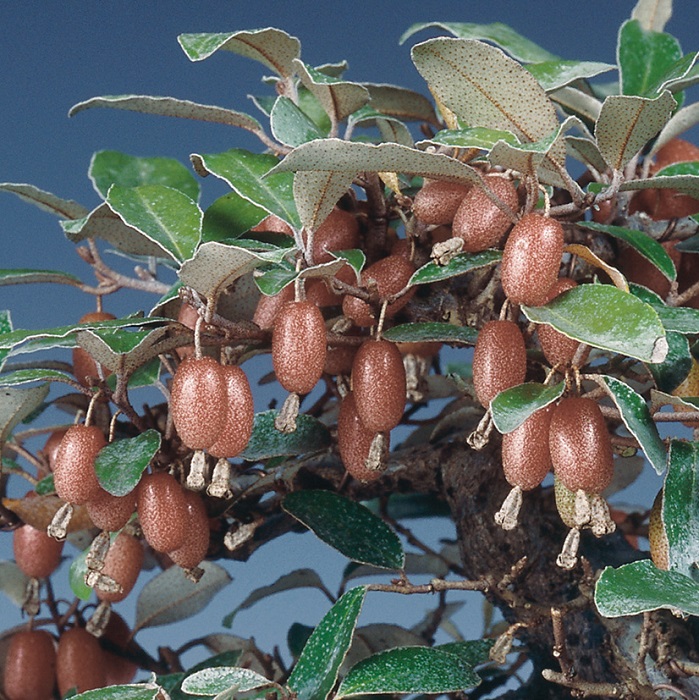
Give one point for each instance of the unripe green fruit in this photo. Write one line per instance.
(299, 346)
(36, 553)
(193, 551)
(354, 441)
(391, 274)
(531, 259)
(268, 307)
(30, 666)
(239, 415)
(657, 537)
(436, 203)
(198, 401)
(74, 471)
(84, 367)
(378, 384)
(339, 231)
(565, 503)
(109, 512)
(479, 222)
(499, 360)
(119, 670)
(162, 511)
(558, 349)
(123, 563)
(581, 450)
(526, 459)
(80, 661)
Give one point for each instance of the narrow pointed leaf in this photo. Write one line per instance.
(605, 317)
(347, 526)
(510, 408)
(652, 14)
(119, 464)
(290, 125)
(681, 507)
(553, 75)
(586, 151)
(273, 280)
(685, 184)
(211, 681)
(316, 194)
(637, 419)
(474, 137)
(409, 670)
(577, 102)
(18, 403)
(401, 103)
(680, 75)
(315, 673)
(228, 217)
(24, 276)
(640, 587)
(64, 208)
(627, 123)
(432, 332)
(25, 376)
(171, 596)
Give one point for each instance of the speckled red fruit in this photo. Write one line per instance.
(339, 231)
(162, 511)
(274, 224)
(84, 367)
(320, 292)
(74, 470)
(499, 360)
(198, 401)
(390, 274)
(378, 384)
(268, 307)
(558, 349)
(36, 554)
(436, 203)
(240, 414)
(123, 563)
(479, 222)
(354, 441)
(119, 670)
(299, 346)
(193, 551)
(339, 359)
(53, 442)
(526, 459)
(30, 666)
(109, 512)
(531, 259)
(80, 661)
(581, 450)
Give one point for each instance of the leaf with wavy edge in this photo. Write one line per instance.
(65, 208)
(683, 120)
(553, 75)
(401, 103)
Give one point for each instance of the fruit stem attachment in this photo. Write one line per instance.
(112, 425)
(478, 439)
(382, 318)
(91, 408)
(508, 515)
(220, 482)
(198, 468)
(58, 527)
(568, 557)
(197, 338)
(285, 422)
(99, 620)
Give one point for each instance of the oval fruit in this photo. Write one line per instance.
(109, 512)
(354, 441)
(123, 563)
(320, 292)
(84, 367)
(531, 259)
(657, 537)
(273, 224)
(436, 203)
(239, 415)
(526, 459)
(30, 666)
(193, 551)
(80, 661)
(268, 307)
(339, 359)
(299, 346)
(162, 511)
(581, 450)
(479, 222)
(74, 470)
(339, 231)
(50, 449)
(499, 360)
(198, 401)
(36, 553)
(390, 274)
(379, 385)
(119, 670)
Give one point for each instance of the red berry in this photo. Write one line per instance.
(378, 384)
(198, 401)
(339, 231)
(123, 563)
(268, 307)
(499, 360)
(526, 459)
(274, 224)
(84, 367)
(109, 512)
(30, 666)
(437, 201)
(531, 259)
(299, 346)
(74, 471)
(162, 511)
(36, 554)
(354, 441)
(53, 442)
(239, 414)
(119, 670)
(193, 551)
(80, 661)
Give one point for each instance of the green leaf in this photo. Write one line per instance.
(64, 208)
(553, 75)
(228, 217)
(45, 486)
(518, 46)
(5, 327)
(17, 404)
(349, 527)
(474, 137)
(680, 319)
(640, 586)
(119, 464)
(24, 376)
(76, 576)
(211, 681)
(166, 216)
(473, 652)
(25, 276)
(686, 168)
(290, 125)
(171, 596)
(681, 506)
(648, 247)
(317, 193)
(401, 103)
(356, 259)
(273, 48)
(459, 265)
(684, 184)
(409, 670)
(315, 673)
(432, 332)
(510, 408)
(627, 123)
(145, 375)
(637, 419)
(137, 691)
(679, 76)
(272, 280)
(13, 582)
(605, 317)
(247, 174)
